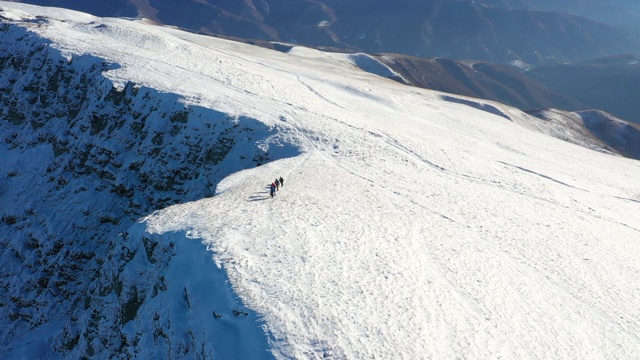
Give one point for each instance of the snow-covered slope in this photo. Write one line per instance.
(593, 129)
(412, 224)
(619, 134)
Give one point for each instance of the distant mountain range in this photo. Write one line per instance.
(478, 79)
(496, 31)
(552, 42)
(618, 13)
(611, 84)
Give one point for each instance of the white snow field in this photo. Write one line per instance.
(409, 226)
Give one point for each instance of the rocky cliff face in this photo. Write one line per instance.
(81, 161)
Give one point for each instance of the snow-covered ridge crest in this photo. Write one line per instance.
(409, 226)
(83, 157)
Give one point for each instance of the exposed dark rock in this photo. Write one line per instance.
(109, 155)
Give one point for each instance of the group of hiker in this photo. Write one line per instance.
(275, 186)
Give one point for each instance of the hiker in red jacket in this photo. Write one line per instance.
(272, 190)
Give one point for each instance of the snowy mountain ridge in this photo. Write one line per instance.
(108, 152)
(412, 224)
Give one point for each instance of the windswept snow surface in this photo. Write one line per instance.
(408, 227)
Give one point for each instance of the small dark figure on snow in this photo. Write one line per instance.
(281, 181)
(272, 189)
(277, 184)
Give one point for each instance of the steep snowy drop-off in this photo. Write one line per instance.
(411, 224)
(81, 161)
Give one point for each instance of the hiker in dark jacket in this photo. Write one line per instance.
(281, 181)
(277, 184)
